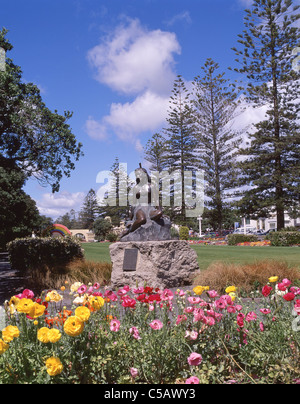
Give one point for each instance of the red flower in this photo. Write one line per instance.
(289, 296)
(266, 290)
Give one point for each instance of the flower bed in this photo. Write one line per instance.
(264, 243)
(209, 241)
(148, 336)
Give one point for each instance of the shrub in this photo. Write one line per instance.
(234, 239)
(112, 237)
(41, 253)
(89, 271)
(184, 233)
(284, 238)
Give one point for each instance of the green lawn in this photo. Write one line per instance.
(209, 254)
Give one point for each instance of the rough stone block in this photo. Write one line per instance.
(162, 264)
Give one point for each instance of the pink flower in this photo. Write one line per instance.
(238, 307)
(240, 320)
(111, 295)
(156, 325)
(134, 332)
(26, 294)
(167, 294)
(261, 326)
(192, 380)
(282, 287)
(212, 294)
(138, 290)
(286, 282)
(189, 309)
(194, 359)
(181, 318)
(231, 309)
(134, 372)
(82, 289)
(194, 299)
(265, 311)
(251, 316)
(198, 315)
(181, 293)
(122, 292)
(220, 304)
(96, 285)
(297, 306)
(209, 320)
(114, 325)
(295, 290)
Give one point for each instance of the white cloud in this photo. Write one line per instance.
(55, 205)
(181, 17)
(95, 129)
(134, 61)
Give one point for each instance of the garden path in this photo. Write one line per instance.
(11, 282)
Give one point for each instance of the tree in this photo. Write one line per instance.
(215, 103)
(39, 142)
(272, 161)
(155, 152)
(118, 194)
(181, 142)
(101, 228)
(90, 210)
(19, 216)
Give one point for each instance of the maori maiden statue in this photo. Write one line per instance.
(146, 222)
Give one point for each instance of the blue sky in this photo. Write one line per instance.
(113, 63)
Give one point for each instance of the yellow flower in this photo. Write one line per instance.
(63, 288)
(36, 310)
(13, 304)
(3, 347)
(96, 302)
(73, 326)
(36, 322)
(54, 296)
(230, 289)
(54, 366)
(198, 290)
(24, 306)
(83, 313)
(273, 279)
(43, 335)
(9, 333)
(54, 335)
(233, 296)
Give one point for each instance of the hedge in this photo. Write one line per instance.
(234, 239)
(284, 238)
(42, 252)
(183, 233)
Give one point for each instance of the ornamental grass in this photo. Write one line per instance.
(151, 336)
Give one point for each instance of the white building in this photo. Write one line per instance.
(269, 223)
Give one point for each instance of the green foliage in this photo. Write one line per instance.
(38, 141)
(101, 228)
(40, 253)
(284, 238)
(19, 216)
(271, 163)
(183, 233)
(112, 237)
(234, 239)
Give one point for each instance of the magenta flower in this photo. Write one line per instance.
(96, 285)
(167, 294)
(265, 311)
(251, 316)
(82, 289)
(192, 380)
(156, 325)
(134, 372)
(194, 359)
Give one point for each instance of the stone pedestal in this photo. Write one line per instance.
(162, 264)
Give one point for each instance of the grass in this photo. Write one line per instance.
(99, 252)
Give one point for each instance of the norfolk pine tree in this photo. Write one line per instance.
(271, 166)
(181, 142)
(215, 102)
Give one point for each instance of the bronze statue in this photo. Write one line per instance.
(146, 222)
